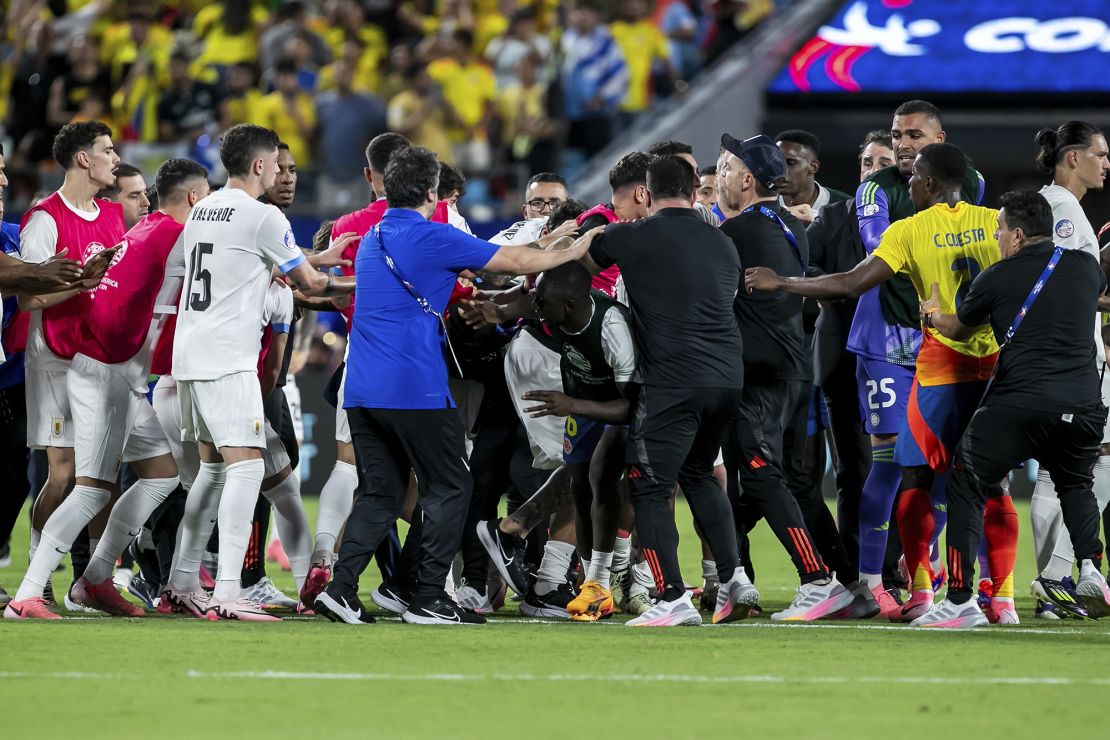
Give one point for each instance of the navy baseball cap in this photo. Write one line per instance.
(761, 155)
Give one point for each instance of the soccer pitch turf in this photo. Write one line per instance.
(178, 677)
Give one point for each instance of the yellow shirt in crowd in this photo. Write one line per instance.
(468, 89)
(642, 43)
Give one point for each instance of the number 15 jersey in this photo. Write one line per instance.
(232, 242)
(950, 246)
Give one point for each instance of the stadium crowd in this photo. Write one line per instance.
(603, 359)
(500, 88)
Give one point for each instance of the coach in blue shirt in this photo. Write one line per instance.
(396, 395)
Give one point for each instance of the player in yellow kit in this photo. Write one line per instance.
(948, 242)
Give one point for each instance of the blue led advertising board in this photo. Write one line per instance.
(956, 46)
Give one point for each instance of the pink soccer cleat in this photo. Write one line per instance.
(32, 608)
(888, 607)
(103, 597)
(318, 577)
(183, 602)
(207, 582)
(917, 605)
(1002, 611)
(240, 609)
(275, 553)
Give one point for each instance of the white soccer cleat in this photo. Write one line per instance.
(269, 596)
(469, 598)
(814, 601)
(735, 599)
(680, 612)
(1094, 594)
(947, 615)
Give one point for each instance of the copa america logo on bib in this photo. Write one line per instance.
(1065, 228)
(95, 248)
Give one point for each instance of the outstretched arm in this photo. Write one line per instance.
(852, 284)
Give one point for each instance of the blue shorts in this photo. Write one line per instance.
(818, 420)
(884, 392)
(580, 438)
(936, 418)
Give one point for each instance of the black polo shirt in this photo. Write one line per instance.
(1049, 365)
(771, 323)
(680, 274)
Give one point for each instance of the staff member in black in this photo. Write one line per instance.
(763, 459)
(680, 274)
(1043, 403)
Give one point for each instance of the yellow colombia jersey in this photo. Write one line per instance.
(949, 246)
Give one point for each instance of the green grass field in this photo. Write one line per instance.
(177, 677)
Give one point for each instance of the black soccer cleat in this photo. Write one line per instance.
(347, 609)
(440, 611)
(507, 554)
(551, 604)
(1062, 594)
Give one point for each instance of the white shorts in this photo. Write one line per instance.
(342, 427)
(529, 366)
(274, 456)
(112, 422)
(226, 412)
(168, 409)
(49, 423)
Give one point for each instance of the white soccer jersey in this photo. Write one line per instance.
(232, 242)
(278, 312)
(521, 233)
(1072, 230)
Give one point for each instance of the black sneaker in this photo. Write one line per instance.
(141, 589)
(507, 554)
(390, 599)
(863, 604)
(440, 611)
(551, 604)
(347, 609)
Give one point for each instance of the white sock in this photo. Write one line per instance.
(641, 574)
(600, 566)
(554, 566)
(1044, 515)
(622, 549)
(709, 570)
(126, 523)
(35, 537)
(76, 511)
(336, 499)
(242, 482)
(201, 507)
(292, 526)
(585, 565)
(872, 579)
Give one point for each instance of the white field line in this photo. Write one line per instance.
(664, 678)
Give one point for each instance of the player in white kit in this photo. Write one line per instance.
(106, 386)
(232, 244)
(1075, 154)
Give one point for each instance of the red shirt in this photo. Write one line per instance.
(360, 222)
(62, 324)
(123, 304)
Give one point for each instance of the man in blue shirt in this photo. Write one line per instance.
(398, 404)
